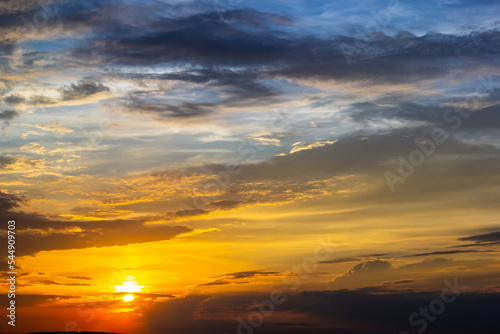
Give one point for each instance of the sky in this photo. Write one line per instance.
(238, 166)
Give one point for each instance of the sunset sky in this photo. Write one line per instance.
(170, 164)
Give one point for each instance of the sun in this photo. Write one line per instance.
(128, 298)
(129, 286)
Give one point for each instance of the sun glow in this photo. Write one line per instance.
(129, 286)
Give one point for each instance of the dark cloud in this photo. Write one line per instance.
(205, 40)
(179, 313)
(192, 212)
(352, 154)
(200, 38)
(4, 274)
(8, 201)
(41, 100)
(373, 276)
(367, 111)
(457, 119)
(187, 213)
(220, 282)
(450, 252)
(483, 244)
(296, 324)
(234, 88)
(6, 48)
(343, 312)
(262, 45)
(29, 300)
(225, 204)
(52, 282)
(373, 155)
(5, 161)
(480, 242)
(92, 234)
(439, 179)
(397, 59)
(28, 19)
(5, 86)
(14, 99)
(248, 274)
(79, 277)
(161, 110)
(361, 270)
(402, 281)
(237, 277)
(353, 259)
(483, 238)
(82, 90)
(238, 55)
(238, 84)
(7, 115)
(40, 233)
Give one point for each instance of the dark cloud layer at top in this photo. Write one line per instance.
(256, 41)
(205, 40)
(238, 54)
(260, 45)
